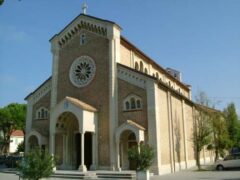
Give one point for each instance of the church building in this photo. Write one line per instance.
(104, 96)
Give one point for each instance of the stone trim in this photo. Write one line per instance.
(131, 77)
(40, 92)
(81, 104)
(77, 27)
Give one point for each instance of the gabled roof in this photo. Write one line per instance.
(206, 108)
(81, 104)
(18, 133)
(88, 16)
(127, 43)
(38, 88)
(132, 123)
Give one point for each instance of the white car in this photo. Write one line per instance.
(230, 161)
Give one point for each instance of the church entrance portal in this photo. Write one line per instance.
(68, 144)
(127, 141)
(87, 149)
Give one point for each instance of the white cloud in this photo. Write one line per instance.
(11, 33)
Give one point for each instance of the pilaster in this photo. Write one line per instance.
(170, 130)
(185, 133)
(55, 48)
(154, 139)
(114, 57)
(29, 119)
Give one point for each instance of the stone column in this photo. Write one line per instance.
(52, 143)
(94, 152)
(64, 150)
(118, 156)
(82, 167)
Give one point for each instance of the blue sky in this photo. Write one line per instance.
(199, 38)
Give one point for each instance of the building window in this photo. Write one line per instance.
(136, 66)
(132, 102)
(42, 113)
(82, 39)
(138, 104)
(146, 71)
(141, 66)
(157, 75)
(127, 105)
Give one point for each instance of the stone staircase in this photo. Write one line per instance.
(94, 175)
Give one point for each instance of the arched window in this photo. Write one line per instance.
(127, 105)
(42, 113)
(132, 102)
(141, 66)
(138, 104)
(82, 39)
(157, 75)
(146, 71)
(136, 66)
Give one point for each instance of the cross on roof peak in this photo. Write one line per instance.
(84, 8)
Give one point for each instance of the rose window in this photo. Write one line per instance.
(82, 71)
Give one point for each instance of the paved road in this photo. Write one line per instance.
(203, 175)
(183, 175)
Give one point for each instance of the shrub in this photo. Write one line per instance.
(37, 164)
(20, 147)
(142, 155)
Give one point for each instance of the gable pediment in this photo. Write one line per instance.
(83, 22)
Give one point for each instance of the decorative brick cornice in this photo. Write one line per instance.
(82, 25)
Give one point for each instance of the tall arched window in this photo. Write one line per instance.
(146, 71)
(133, 103)
(138, 103)
(127, 105)
(82, 39)
(141, 66)
(157, 75)
(136, 66)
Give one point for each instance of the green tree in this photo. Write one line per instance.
(20, 147)
(143, 155)
(220, 141)
(1, 2)
(201, 126)
(233, 125)
(201, 132)
(12, 117)
(37, 164)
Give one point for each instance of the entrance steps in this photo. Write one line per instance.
(95, 175)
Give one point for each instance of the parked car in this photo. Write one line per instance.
(230, 161)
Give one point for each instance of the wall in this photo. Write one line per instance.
(41, 125)
(97, 92)
(138, 116)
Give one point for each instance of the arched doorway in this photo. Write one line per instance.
(127, 141)
(33, 142)
(68, 143)
(66, 148)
